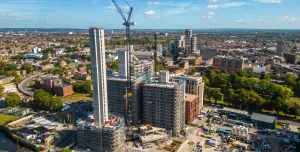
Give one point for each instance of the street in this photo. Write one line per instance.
(23, 86)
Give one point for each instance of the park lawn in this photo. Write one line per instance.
(78, 97)
(5, 119)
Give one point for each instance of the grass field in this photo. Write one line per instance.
(5, 119)
(79, 97)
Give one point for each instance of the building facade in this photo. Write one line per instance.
(191, 108)
(123, 63)
(284, 47)
(292, 58)
(195, 86)
(97, 45)
(163, 104)
(228, 64)
(54, 86)
(116, 89)
(108, 138)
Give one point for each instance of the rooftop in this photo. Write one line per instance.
(190, 97)
(236, 111)
(263, 118)
(114, 122)
(63, 85)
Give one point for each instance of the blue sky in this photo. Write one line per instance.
(177, 14)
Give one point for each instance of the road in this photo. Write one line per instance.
(23, 86)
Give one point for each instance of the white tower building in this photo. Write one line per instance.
(123, 62)
(97, 45)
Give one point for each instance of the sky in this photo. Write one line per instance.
(157, 14)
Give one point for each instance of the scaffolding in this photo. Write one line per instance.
(164, 105)
(116, 89)
(101, 139)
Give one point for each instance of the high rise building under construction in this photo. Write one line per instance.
(117, 85)
(102, 131)
(163, 103)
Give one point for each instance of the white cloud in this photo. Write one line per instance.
(153, 3)
(213, 6)
(211, 14)
(270, 1)
(150, 13)
(208, 16)
(243, 21)
(112, 6)
(262, 21)
(213, 1)
(226, 5)
(233, 4)
(288, 18)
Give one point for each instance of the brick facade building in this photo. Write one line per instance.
(54, 86)
(191, 108)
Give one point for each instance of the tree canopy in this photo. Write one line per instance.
(244, 91)
(82, 86)
(1, 89)
(13, 99)
(45, 101)
(28, 67)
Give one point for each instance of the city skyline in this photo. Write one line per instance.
(158, 14)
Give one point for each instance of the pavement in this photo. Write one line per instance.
(24, 85)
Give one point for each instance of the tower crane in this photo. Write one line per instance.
(155, 53)
(127, 24)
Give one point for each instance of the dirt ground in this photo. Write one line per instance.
(275, 144)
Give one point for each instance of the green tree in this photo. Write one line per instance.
(2, 65)
(13, 99)
(290, 81)
(45, 101)
(17, 79)
(28, 67)
(88, 66)
(160, 67)
(1, 89)
(114, 65)
(265, 76)
(298, 62)
(208, 93)
(295, 109)
(254, 102)
(220, 80)
(193, 71)
(17, 57)
(82, 86)
(241, 97)
(242, 73)
(66, 150)
(11, 67)
(56, 103)
(44, 57)
(86, 88)
(48, 50)
(216, 94)
(250, 74)
(229, 96)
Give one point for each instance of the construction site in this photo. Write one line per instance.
(163, 103)
(109, 137)
(141, 70)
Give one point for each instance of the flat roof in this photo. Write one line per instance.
(190, 97)
(263, 118)
(236, 111)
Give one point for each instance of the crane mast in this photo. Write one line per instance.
(155, 53)
(127, 24)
